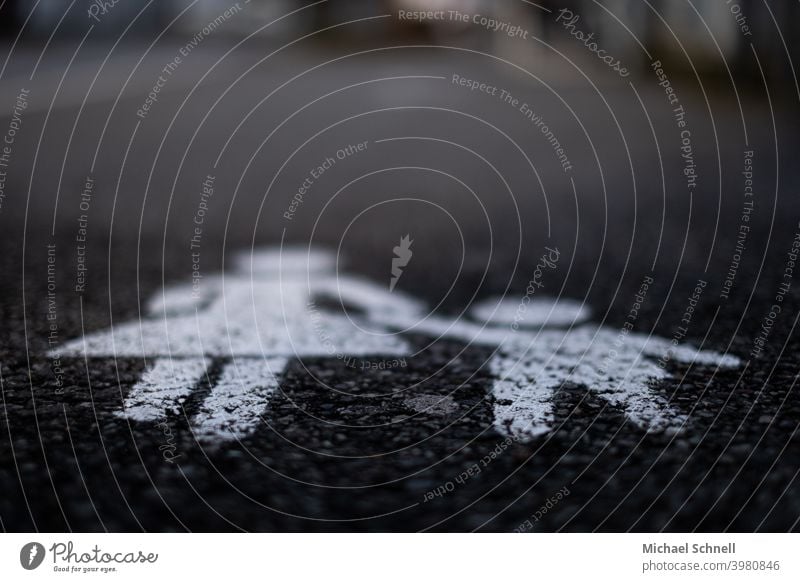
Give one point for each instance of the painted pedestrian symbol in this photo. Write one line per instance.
(275, 305)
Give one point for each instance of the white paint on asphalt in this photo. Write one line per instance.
(532, 363)
(164, 387)
(536, 313)
(270, 308)
(240, 397)
(532, 368)
(292, 261)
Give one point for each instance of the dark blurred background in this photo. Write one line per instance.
(656, 24)
(268, 89)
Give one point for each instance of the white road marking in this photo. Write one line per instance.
(291, 261)
(259, 315)
(265, 311)
(163, 387)
(554, 359)
(531, 365)
(539, 312)
(268, 312)
(239, 398)
(254, 319)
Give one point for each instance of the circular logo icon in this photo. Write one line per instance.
(31, 555)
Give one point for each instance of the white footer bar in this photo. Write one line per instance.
(401, 557)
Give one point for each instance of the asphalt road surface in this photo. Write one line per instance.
(642, 221)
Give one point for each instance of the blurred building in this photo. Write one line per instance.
(143, 17)
(109, 17)
(703, 34)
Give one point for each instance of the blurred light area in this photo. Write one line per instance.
(259, 14)
(703, 35)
